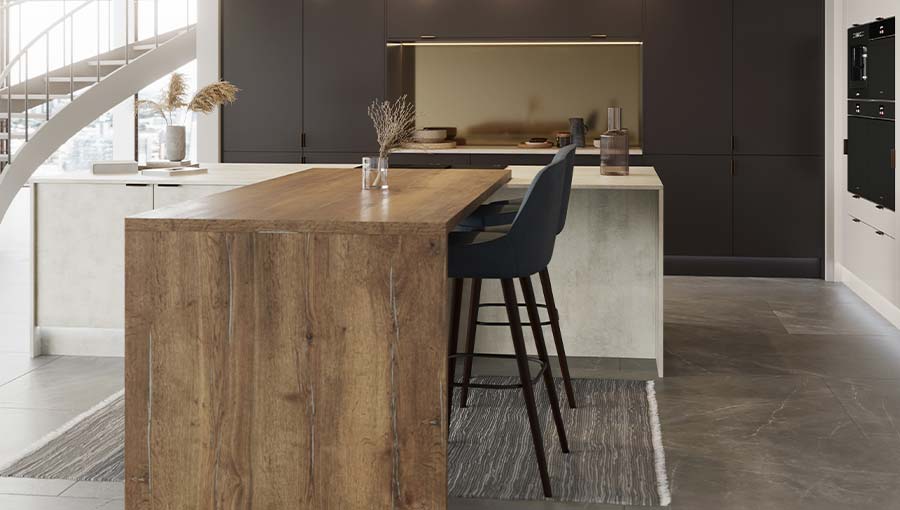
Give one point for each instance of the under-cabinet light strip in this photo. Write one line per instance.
(519, 43)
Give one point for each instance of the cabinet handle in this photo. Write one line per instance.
(857, 197)
(169, 185)
(599, 36)
(879, 207)
(427, 36)
(857, 220)
(136, 185)
(880, 233)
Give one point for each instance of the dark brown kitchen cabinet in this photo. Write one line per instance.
(524, 19)
(261, 54)
(344, 71)
(779, 205)
(687, 77)
(779, 69)
(697, 204)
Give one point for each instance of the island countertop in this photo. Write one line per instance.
(330, 200)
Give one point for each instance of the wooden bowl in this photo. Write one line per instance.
(429, 135)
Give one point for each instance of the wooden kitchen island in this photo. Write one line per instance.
(286, 343)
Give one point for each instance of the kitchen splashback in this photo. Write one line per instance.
(504, 94)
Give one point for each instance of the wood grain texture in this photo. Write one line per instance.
(285, 370)
(330, 200)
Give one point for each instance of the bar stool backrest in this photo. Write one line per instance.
(533, 231)
(566, 155)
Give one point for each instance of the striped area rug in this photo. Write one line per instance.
(616, 455)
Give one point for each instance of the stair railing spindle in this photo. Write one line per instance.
(156, 21)
(25, 103)
(98, 39)
(47, 78)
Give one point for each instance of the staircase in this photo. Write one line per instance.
(43, 104)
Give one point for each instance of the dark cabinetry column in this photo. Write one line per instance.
(687, 77)
(344, 70)
(779, 68)
(261, 54)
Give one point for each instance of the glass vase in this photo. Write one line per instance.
(383, 173)
(369, 173)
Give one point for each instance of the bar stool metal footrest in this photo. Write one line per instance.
(503, 305)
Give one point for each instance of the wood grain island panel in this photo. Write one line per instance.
(268, 368)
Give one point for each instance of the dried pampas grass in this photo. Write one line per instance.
(175, 95)
(174, 98)
(207, 99)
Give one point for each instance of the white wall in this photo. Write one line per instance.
(208, 140)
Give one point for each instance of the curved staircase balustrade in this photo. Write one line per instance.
(103, 80)
(90, 104)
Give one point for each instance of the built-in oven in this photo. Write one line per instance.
(871, 151)
(870, 66)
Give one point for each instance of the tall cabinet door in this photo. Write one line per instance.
(344, 71)
(687, 77)
(779, 73)
(698, 204)
(779, 207)
(262, 55)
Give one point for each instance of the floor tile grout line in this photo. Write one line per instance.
(67, 488)
(54, 360)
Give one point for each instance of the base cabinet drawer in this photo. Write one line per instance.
(877, 216)
(871, 255)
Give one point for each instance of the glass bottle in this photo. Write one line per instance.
(614, 145)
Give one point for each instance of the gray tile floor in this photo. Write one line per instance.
(780, 394)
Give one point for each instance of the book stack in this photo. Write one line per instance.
(170, 168)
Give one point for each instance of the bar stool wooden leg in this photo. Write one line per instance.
(515, 325)
(470, 340)
(452, 341)
(534, 318)
(557, 336)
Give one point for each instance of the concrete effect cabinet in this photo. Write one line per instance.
(79, 233)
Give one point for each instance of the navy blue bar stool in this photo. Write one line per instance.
(522, 250)
(497, 216)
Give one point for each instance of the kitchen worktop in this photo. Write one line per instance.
(508, 149)
(242, 174)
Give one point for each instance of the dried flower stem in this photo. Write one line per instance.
(395, 123)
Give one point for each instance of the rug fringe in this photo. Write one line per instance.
(662, 478)
(42, 442)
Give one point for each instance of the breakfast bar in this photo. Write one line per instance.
(286, 343)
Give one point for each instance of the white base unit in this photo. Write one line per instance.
(80, 255)
(871, 255)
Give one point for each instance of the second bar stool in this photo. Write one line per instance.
(520, 252)
(499, 215)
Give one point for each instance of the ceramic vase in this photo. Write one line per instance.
(175, 143)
